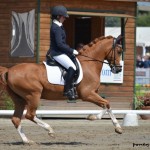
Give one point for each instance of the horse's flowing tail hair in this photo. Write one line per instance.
(3, 72)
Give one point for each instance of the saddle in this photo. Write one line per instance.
(51, 62)
(63, 72)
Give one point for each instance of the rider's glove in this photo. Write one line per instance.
(75, 52)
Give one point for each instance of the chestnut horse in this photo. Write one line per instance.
(27, 83)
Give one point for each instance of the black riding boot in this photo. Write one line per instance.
(68, 88)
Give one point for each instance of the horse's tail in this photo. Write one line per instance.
(3, 75)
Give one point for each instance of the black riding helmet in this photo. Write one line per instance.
(59, 11)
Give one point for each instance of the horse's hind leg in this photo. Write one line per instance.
(16, 119)
(19, 105)
(32, 105)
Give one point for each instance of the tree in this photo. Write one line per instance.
(112, 22)
(143, 19)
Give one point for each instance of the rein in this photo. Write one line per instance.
(93, 59)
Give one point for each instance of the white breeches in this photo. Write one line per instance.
(65, 61)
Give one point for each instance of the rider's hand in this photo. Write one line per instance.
(75, 52)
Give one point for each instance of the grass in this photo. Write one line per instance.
(7, 101)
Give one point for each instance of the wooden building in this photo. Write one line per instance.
(86, 22)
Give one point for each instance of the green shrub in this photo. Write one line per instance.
(8, 103)
(141, 98)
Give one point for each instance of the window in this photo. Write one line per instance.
(22, 42)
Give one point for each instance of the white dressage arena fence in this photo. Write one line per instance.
(130, 116)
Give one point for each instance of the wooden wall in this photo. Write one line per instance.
(126, 7)
(6, 8)
(120, 95)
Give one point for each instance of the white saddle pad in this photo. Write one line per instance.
(55, 77)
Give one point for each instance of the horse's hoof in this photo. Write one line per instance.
(29, 142)
(118, 130)
(91, 117)
(52, 134)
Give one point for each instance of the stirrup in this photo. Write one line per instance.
(71, 96)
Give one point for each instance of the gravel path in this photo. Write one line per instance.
(76, 134)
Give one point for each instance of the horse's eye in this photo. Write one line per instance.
(119, 53)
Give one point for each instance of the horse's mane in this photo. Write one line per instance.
(95, 41)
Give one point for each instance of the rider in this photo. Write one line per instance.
(60, 51)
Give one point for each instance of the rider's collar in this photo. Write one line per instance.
(57, 22)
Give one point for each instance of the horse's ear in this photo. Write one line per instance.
(119, 39)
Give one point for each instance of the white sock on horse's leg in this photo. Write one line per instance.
(113, 118)
(100, 115)
(118, 128)
(22, 135)
(44, 125)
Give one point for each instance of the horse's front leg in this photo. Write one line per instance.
(98, 116)
(118, 128)
(96, 99)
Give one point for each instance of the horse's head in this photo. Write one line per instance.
(113, 56)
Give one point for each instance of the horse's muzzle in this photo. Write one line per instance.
(116, 69)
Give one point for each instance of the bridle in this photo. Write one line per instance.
(115, 40)
(112, 49)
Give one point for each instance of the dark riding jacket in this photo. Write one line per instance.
(58, 44)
